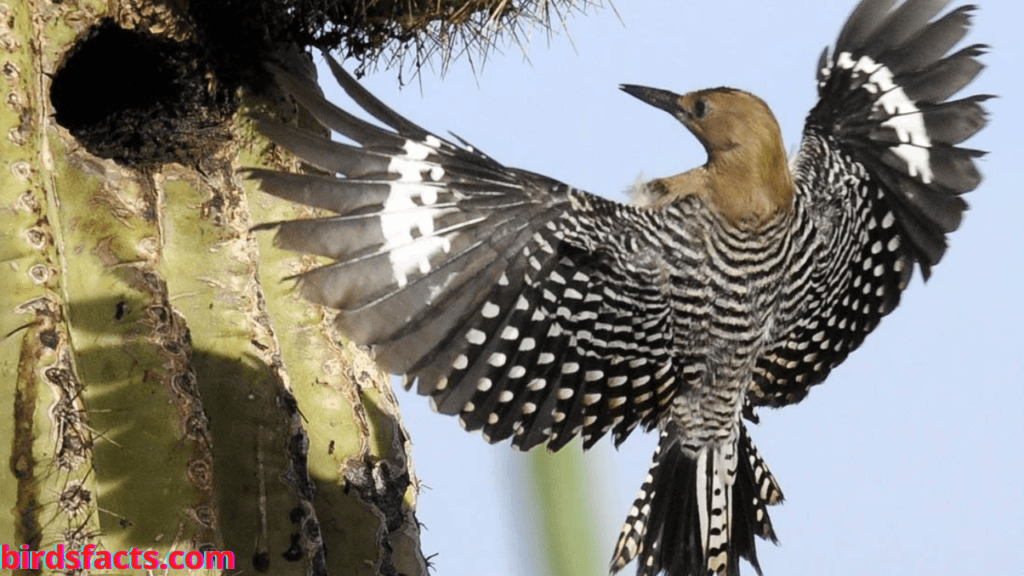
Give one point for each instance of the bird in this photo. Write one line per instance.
(537, 312)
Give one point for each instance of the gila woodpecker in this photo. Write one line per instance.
(536, 311)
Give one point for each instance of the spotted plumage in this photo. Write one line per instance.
(537, 312)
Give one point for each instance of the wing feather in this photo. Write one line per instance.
(880, 173)
(513, 300)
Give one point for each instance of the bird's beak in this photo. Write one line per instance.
(663, 99)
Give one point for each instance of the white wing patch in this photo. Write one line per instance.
(907, 120)
(407, 227)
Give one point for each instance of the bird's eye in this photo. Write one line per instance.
(700, 108)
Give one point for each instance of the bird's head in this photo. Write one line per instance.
(747, 173)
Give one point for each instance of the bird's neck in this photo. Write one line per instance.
(747, 185)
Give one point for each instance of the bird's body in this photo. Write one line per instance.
(538, 312)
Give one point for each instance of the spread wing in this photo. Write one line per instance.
(531, 309)
(880, 173)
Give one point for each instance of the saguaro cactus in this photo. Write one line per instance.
(160, 394)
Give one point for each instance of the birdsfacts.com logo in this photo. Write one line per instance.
(90, 558)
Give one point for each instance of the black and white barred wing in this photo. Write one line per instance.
(529, 308)
(880, 173)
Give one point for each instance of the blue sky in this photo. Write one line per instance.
(909, 459)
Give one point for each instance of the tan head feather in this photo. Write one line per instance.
(746, 177)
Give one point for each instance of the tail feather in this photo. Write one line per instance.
(698, 514)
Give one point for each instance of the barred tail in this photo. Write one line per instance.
(698, 514)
